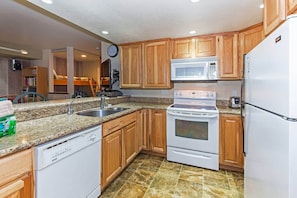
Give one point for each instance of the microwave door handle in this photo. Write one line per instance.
(192, 115)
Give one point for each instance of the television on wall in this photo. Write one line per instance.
(106, 73)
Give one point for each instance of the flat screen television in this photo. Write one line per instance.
(106, 73)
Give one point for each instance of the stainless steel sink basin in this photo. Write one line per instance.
(101, 112)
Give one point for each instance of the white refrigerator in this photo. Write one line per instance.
(270, 123)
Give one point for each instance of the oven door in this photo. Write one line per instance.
(193, 130)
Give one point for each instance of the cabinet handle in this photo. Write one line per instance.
(12, 188)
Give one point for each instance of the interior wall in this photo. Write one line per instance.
(3, 77)
(223, 89)
(115, 62)
(11, 80)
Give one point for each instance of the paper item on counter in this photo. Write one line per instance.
(6, 108)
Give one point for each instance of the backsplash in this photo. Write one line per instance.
(224, 90)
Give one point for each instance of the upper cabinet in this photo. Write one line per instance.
(291, 6)
(156, 64)
(146, 65)
(274, 13)
(248, 39)
(194, 47)
(131, 66)
(228, 56)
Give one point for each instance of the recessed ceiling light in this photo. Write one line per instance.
(192, 32)
(83, 56)
(47, 1)
(261, 5)
(24, 52)
(105, 32)
(194, 1)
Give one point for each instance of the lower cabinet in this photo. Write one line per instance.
(119, 146)
(231, 142)
(16, 173)
(154, 131)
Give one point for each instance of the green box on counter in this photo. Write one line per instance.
(7, 125)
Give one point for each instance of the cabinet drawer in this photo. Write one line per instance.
(15, 165)
(125, 120)
(111, 126)
(118, 123)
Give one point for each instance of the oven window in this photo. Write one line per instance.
(191, 129)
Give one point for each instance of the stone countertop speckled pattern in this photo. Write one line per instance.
(228, 110)
(49, 127)
(38, 131)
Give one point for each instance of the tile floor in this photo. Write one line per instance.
(153, 177)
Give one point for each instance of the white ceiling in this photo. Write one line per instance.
(126, 20)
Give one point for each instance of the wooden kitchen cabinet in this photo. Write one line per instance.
(146, 65)
(231, 142)
(205, 46)
(130, 143)
(16, 173)
(274, 14)
(119, 146)
(131, 64)
(154, 131)
(35, 79)
(182, 48)
(228, 56)
(248, 39)
(111, 157)
(156, 64)
(192, 47)
(158, 131)
(291, 6)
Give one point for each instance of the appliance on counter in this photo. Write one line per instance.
(271, 115)
(234, 102)
(194, 69)
(193, 129)
(69, 166)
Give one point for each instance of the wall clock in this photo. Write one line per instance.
(112, 50)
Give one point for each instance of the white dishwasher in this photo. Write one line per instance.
(69, 167)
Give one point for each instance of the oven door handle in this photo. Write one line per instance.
(193, 115)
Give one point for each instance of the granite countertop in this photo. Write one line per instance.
(52, 122)
(37, 131)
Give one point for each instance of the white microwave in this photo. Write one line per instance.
(194, 69)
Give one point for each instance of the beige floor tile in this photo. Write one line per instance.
(153, 177)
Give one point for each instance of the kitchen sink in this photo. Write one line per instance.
(101, 112)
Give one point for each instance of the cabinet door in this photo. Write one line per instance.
(111, 157)
(145, 129)
(158, 131)
(16, 175)
(21, 188)
(231, 141)
(183, 48)
(139, 131)
(129, 143)
(130, 66)
(274, 14)
(156, 64)
(291, 6)
(13, 190)
(228, 58)
(205, 46)
(248, 39)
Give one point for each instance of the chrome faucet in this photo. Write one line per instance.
(70, 109)
(102, 101)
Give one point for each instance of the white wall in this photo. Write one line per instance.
(224, 89)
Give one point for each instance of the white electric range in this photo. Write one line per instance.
(193, 129)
